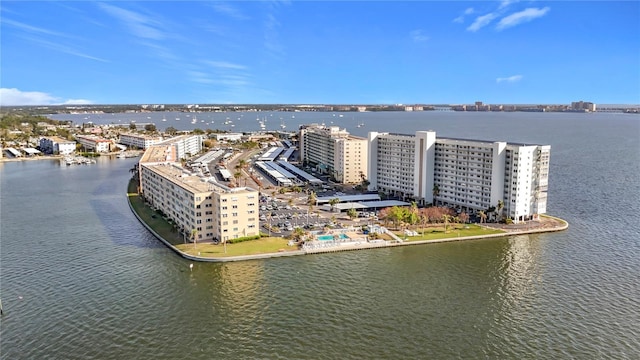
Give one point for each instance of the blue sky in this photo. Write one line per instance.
(317, 52)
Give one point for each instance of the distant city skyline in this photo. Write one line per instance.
(313, 52)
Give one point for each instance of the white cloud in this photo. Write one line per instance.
(467, 11)
(227, 9)
(505, 3)
(509, 79)
(418, 36)
(482, 21)
(32, 29)
(77, 102)
(140, 25)
(520, 17)
(64, 49)
(225, 65)
(13, 96)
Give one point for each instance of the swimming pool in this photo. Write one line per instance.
(330, 237)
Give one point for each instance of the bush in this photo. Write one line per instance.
(242, 239)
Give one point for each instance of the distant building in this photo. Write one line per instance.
(199, 206)
(228, 136)
(57, 145)
(334, 151)
(140, 141)
(583, 106)
(94, 143)
(466, 174)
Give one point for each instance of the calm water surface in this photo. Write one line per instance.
(82, 279)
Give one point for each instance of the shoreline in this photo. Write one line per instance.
(559, 225)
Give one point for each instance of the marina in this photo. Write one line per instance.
(77, 160)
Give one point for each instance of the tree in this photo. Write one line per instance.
(352, 213)
(132, 126)
(385, 215)
(198, 131)
(311, 200)
(436, 193)
(297, 234)
(446, 219)
(423, 215)
(397, 215)
(242, 164)
(171, 130)
(413, 216)
(364, 183)
(333, 202)
(464, 217)
(482, 216)
(150, 128)
(237, 175)
(499, 209)
(194, 234)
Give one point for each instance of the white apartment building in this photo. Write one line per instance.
(140, 141)
(334, 151)
(228, 136)
(55, 144)
(216, 212)
(185, 145)
(466, 174)
(95, 143)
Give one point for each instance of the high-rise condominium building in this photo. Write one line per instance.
(185, 145)
(199, 206)
(334, 151)
(466, 174)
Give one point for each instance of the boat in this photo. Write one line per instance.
(282, 125)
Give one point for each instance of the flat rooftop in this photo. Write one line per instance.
(193, 183)
(158, 154)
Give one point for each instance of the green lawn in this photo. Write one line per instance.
(262, 246)
(166, 231)
(453, 231)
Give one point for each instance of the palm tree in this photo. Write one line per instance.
(482, 216)
(237, 175)
(436, 192)
(311, 200)
(499, 209)
(297, 234)
(333, 202)
(193, 236)
(446, 219)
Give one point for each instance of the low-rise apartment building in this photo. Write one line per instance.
(199, 206)
(94, 143)
(140, 141)
(334, 151)
(466, 174)
(57, 145)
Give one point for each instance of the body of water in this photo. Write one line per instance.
(82, 279)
